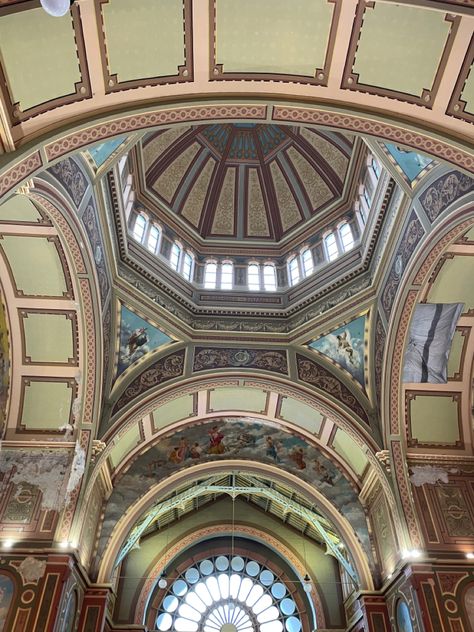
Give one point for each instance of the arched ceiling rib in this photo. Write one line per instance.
(383, 57)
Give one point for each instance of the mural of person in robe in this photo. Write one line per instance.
(297, 455)
(215, 441)
(272, 449)
(246, 439)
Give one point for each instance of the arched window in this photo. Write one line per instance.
(253, 277)
(175, 255)
(210, 275)
(139, 228)
(269, 277)
(188, 261)
(375, 166)
(307, 261)
(154, 238)
(293, 271)
(227, 275)
(228, 593)
(347, 238)
(331, 247)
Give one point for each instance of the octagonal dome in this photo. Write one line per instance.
(246, 181)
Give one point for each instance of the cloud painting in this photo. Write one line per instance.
(345, 346)
(137, 338)
(236, 438)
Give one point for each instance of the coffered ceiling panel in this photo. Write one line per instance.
(272, 37)
(347, 448)
(19, 208)
(46, 404)
(454, 282)
(36, 265)
(35, 75)
(399, 51)
(49, 338)
(145, 43)
(442, 411)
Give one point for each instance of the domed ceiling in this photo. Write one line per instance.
(241, 180)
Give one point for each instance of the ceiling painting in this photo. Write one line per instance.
(237, 438)
(345, 346)
(102, 152)
(137, 338)
(411, 165)
(239, 180)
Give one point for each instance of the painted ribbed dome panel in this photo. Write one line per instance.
(245, 180)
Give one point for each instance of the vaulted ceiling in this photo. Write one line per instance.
(247, 123)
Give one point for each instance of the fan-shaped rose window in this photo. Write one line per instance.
(228, 594)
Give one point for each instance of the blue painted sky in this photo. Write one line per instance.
(100, 153)
(130, 352)
(411, 163)
(345, 345)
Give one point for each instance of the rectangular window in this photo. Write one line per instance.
(308, 264)
(210, 276)
(374, 163)
(269, 278)
(187, 266)
(294, 271)
(347, 237)
(174, 256)
(153, 238)
(253, 277)
(139, 228)
(227, 276)
(331, 247)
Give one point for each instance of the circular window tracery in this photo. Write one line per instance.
(228, 594)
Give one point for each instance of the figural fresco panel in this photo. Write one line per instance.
(345, 346)
(236, 438)
(138, 337)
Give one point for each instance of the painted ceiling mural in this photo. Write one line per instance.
(137, 338)
(236, 438)
(246, 180)
(345, 346)
(102, 152)
(411, 165)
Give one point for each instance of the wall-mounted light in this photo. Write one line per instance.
(7, 544)
(57, 8)
(470, 556)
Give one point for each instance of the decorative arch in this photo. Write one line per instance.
(412, 289)
(164, 487)
(240, 529)
(58, 232)
(59, 144)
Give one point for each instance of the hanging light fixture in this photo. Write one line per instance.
(57, 8)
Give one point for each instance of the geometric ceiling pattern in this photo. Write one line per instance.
(243, 180)
(249, 121)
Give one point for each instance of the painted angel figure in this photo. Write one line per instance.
(346, 349)
(137, 339)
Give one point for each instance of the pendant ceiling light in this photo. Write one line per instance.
(57, 8)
